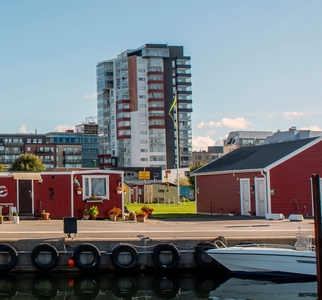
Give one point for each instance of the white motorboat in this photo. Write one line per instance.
(298, 260)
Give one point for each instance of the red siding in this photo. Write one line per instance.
(222, 191)
(291, 180)
(114, 200)
(11, 197)
(53, 195)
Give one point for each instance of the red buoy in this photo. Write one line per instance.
(70, 262)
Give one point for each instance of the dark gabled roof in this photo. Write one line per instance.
(253, 157)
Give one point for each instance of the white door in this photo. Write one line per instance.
(260, 197)
(244, 196)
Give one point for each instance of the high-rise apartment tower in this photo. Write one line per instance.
(134, 94)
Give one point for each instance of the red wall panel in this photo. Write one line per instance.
(53, 195)
(222, 191)
(291, 180)
(11, 197)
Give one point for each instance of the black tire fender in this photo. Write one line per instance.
(45, 248)
(13, 260)
(199, 253)
(125, 248)
(166, 247)
(87, 248)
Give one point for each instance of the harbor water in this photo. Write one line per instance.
(154, 285)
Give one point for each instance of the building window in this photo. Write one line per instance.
(144, 150)
(144, 159)
(143, 141)
(160, 191)
(95, 185)
(142, 96)
(141, 70)
(141, 79)
(142, 88)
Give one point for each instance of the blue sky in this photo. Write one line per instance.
(256, 65)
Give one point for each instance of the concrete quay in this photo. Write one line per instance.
(185, 234)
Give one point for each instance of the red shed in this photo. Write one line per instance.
(260, 180)
(56, 192)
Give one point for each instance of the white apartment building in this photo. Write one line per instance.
(134, 94)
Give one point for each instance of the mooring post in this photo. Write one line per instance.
(318, 229)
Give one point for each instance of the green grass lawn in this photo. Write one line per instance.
(167, 211)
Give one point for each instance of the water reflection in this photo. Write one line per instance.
(174, 285)
(266, 288)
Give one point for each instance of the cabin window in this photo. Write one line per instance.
(95, 185)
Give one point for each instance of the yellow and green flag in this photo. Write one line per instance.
(171, 113)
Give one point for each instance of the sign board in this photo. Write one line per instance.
(144, 175)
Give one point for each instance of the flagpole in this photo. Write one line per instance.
(177, 138)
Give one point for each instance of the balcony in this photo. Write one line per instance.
(37, 151)
(78, 152)
(12, 152)
(72, 161)
(47, 161)
(155, 71)
(18, 144)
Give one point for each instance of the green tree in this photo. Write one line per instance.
(2, 168)
(191, 179)
(183, 181)
(27, 162)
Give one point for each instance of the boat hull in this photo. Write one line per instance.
(252, 260)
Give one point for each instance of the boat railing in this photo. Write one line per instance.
(304, 243)
(219, 244)
(271, 246)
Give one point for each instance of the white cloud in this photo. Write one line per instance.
(291, 115)
(312, 128)
(91, 96)
(23, 129)
(202, 143)
(237, 123)
(63, 128)
(201, 125)
(215, 124)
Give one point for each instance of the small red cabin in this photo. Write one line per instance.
(61, 193)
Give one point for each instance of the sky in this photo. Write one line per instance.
(256, 65)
